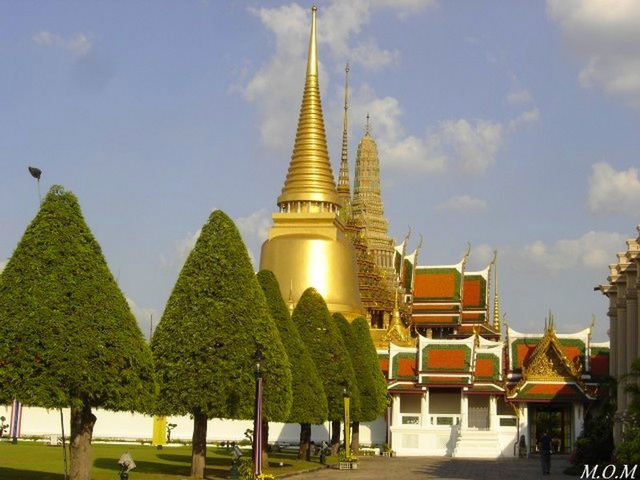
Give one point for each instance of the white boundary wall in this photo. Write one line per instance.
(135, 426)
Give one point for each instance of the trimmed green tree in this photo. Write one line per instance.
(309, 400)
(67, 335)
(372, 385)
(320, 334)
(204, 346)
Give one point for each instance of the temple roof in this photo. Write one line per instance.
(549, 392)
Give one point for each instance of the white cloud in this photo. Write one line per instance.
(520, 97)
(481, 256)
(463, 203)
(277, 86)
(605, 37)
(404, 7)
(370, 56)
(79, 45)
(527, 117)
(254, 230)
(255, 225)
(475, 144)
(181, 251)
(468, 145)
(592, 250)
(612, 192)
(143, 316)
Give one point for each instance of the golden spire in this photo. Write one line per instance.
(496, 303)
(344, 190)
(291, 305)
(367, 127)
(310, 184)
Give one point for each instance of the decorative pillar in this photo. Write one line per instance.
(493, 413)
(524, 425)
(464, 411)
(621, 346)
(577, 420)
(395, 415)
(424, 409)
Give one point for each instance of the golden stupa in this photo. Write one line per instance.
(307, 245)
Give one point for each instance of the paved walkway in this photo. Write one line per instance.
(410, 468)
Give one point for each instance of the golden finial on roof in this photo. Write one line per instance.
(310, 177)
(291, 305)
(496, 302)
(418, 249)
(397, 332)
(344, 190)
(367, 127)
(466, 256)
(404, 252)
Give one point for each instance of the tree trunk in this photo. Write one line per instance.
(199, 449)
(82, 422)
(335, 437)
(305, 442)
(355, 438)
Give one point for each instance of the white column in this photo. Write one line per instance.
(493, 413)
(578, 422)
(523, 420)
(395, 413)
(464, 410)
(621, 345)
(424, 409)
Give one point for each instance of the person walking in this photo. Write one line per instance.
(545, 453)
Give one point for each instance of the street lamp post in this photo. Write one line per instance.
(345, 394)
(257, 421)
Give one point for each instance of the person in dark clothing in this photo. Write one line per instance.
(545, 453)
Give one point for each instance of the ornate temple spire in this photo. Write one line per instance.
(496, 302)
(344, 189)
(367, 127)
(310, 185)
(307, 244)
(367, 205)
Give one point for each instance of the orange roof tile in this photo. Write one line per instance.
(472, 295)
(436, 285)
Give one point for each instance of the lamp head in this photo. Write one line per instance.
(258, 358)
(237, 453)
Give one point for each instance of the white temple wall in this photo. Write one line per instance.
(38, 422)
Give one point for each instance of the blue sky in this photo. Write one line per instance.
(508, 125)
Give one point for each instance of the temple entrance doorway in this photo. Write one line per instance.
(479, 412)
(554, 418)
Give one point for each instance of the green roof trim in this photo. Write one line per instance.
(496, 366)
(395, 363)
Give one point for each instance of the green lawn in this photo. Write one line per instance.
(36, 461)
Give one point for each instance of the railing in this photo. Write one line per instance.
(411, 419)
(507, 421)
(444, 420)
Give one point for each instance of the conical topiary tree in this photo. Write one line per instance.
(67, 336)
(319, 333)
(215, 320)
(372, 385)
(309, 400)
